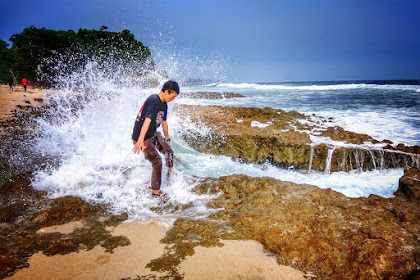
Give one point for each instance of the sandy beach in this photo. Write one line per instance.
(237, 259)
(10, 100)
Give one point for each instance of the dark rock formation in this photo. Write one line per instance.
(283, 138)
(409, 184)
(312, 229)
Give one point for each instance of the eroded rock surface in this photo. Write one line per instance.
(312, 229)
(409, 184)
(285, 139)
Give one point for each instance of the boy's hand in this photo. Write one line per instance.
(139, 146)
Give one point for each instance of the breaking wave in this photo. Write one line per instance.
(316, 87)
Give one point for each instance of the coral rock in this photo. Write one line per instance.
(409, 184)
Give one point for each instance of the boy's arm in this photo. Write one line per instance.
(139, 146)
(165, 130)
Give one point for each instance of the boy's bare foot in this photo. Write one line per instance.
(159, 194)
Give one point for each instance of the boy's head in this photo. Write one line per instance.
(171, 85)
(170, 90)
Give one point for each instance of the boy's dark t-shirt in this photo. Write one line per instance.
(154, 109)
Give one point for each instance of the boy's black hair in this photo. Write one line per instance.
(171, 85)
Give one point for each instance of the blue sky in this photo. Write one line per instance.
(251, 41)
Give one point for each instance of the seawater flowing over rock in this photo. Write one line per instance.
(290, 139)
(312, 229)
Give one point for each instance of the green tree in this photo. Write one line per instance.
(6, 61)
(39, 49)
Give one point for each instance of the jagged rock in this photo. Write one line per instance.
(18, 187)
(408, 149)
(17, 197)
(320, 230)
(409, 184)
(66, 209)
(265, 134)
(210, 95)
(339, 134)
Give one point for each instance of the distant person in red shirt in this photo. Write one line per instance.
(24, 83)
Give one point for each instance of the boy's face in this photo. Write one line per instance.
(170, 95)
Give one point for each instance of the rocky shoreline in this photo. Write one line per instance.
(290, 140)
(319, 231)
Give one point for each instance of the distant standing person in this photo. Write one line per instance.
(24, 83)
(11, 81)
(152, 114)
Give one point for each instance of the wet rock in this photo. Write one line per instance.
(65, 209)
(409, 184)
(311, 229)
(283, 138)
(408, 149)
(41, 218)
(339, 134)
(17, 197)
(18, 188)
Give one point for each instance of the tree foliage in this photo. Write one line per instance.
(34, 46)
(6, 60)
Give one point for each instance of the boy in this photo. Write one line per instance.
(152, 114)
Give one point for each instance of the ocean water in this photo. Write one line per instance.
(382, 109)
(94, 147)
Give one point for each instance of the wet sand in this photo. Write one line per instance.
(126, 261)
(237, 259)
(9, 100)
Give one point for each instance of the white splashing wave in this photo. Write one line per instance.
(98, 164)
(389, 125)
